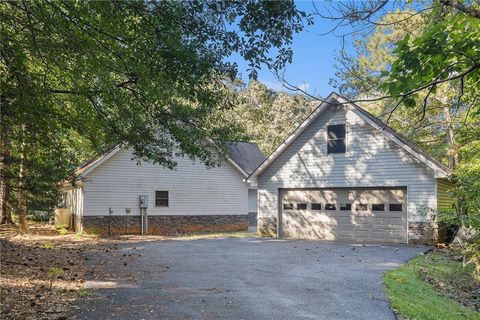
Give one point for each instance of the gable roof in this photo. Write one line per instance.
(439, 169)
(244, 156)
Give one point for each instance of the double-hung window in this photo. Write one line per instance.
(336, 138)
(161, 198)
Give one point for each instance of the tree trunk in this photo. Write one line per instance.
(452, 152)
(22, 202)
(5, 212)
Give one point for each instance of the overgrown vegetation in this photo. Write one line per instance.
(434, 286)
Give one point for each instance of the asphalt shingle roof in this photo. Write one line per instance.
(246, 154)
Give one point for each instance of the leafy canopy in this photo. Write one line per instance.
(151, 75)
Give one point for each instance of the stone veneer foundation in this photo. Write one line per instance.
(418, 232)
(164, 225)
(267, 226)
(422, 232)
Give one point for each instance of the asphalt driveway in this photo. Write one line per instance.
(241, 278)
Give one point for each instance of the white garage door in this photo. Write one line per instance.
(361, 214)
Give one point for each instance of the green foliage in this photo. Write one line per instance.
(62, 231)
(77, 77)
(53, 273)
(267, 117)
(447, 48)
(48, 245)
(412, 298)
(84, 293)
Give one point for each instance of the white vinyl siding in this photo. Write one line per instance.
(74, 200)
(192, 188)
(372, 160)
(252, 200)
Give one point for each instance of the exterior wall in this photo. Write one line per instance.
(371, 160)
(252, 200)
(164, 224)
(193, 189)
(445, 202)
(74, 202)
(423, 232)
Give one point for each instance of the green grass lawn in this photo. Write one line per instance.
(433, 286)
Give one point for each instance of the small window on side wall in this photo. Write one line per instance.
(316, 206)
(396, 207)
(336, 138)
(161, 198)
(288, 206)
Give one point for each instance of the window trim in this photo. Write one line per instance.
(155, 198)
(344, 139)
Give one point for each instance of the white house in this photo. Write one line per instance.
(345, 175)
(105, 195)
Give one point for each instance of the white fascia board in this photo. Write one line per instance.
(98, 162)
(233, 163)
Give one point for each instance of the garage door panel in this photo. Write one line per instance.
(363, 222)
(379, 234)
(396, 221)
(361, 233)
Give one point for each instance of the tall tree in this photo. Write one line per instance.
(266, 116)
(146, 74)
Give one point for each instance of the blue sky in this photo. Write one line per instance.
(313, 55)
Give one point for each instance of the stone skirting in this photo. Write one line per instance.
(267, 226)
(422, 232)
(164, 225)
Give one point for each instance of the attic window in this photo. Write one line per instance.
(161, 198)
(336, 138)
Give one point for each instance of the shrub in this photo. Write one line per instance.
(62, 231)
(53, 273)
(48, 245)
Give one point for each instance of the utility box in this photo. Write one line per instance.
(143, 201)
(62, 218)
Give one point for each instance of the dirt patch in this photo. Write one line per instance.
(42, 273)
(31, 264)
(446, 273)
